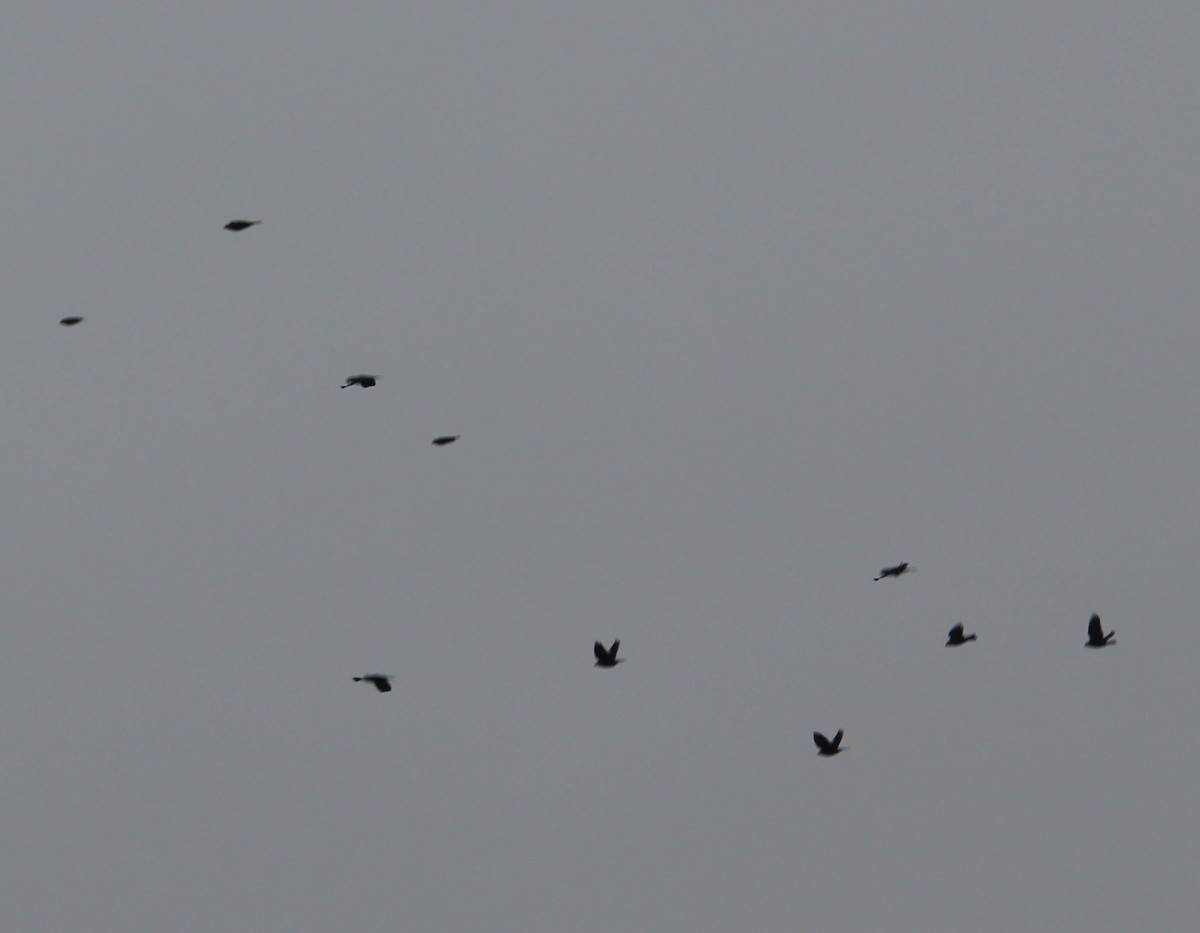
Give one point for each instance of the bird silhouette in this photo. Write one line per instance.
(70, 321)
(362, 379)
(1096, 636)
(380, 682)
(957, 637)
(826, 747)
(236, 225)
(447, 439)
(897, 571)
(607, 657)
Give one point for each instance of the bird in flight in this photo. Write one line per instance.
(826, 747)
(1096, 636)
(957, 637)
(897, 571)
(447, 439)
(607, 657)
(236, 225)
(70, 321)
(380, 682)
(362, 379)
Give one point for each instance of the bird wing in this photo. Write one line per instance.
(837, 739)
(1095, 629)
(612, 652)
(956, 633)
(822, 742)
(382, 684)
(601, 654)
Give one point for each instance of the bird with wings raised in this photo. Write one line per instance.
(1096, 636)
(828, 747)
(607, 657)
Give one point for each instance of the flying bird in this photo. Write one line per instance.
(826, 747)
(70, 321)
(896, 571)
(607, 657)
(236, 225)
(957, 637)
(380, 682)
(360, 380)
(448, 439)
(1096, 636)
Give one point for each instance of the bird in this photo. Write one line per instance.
(607, 657)
(826, 747)
(896, 571)
(236, 225)
(380, 682)
(70, 321)
(957, 637)
(1096, 636)
(447, 439)
(362, 379)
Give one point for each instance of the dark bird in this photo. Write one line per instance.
(236, 225)
(1096, 636)
(957, 637)
(360, 380)
(826, 747)
(70, 321)
(897, 571)
(607, 657)
(448, 439)
(380, 682)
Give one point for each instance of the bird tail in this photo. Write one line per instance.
(970, 637)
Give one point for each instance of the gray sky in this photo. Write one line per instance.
(733, 305)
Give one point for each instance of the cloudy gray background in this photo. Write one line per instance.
(733, 304)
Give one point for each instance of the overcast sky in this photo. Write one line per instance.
(733, 304)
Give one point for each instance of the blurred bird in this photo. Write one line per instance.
(380, 682)
(236, 225)
(896, 571)
(957, 637)
(70, 321)
(360, 380)
(448, 439)
(1096, 636)
(608, 657)
(826, 747)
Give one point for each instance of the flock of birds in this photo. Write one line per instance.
(826, 747)
(362, 380)
(607, 657)
(956, 636)
(381, 682)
